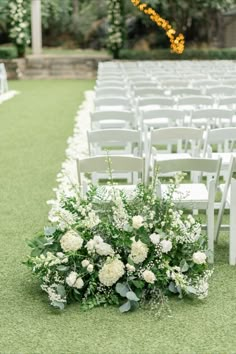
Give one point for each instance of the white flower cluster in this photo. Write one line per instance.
(139, 251)
(111, 271)
(115, 36)
(74, 281)
(19, 31)
(98, 245)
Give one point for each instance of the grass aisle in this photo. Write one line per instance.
(34, 129)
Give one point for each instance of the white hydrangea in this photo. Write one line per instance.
(90, 245)
(71, 279)
(137, 221)
(139, 251)
(149, 276)
(166, 246)
(155, 238)
(71, 241)
(199, 257)
(111, 272)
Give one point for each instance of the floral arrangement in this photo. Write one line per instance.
(110, 247)
(115, 26)
(19, 25)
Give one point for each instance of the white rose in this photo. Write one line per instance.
(137, 221)
(155, 238)
(71, 241)
(90, 268)
(104, 249)
(199, 257)
(139, 251)
(71, 279)
(130, 268)
(166, 246)
(149, 276)
(85, 263)
(79, 283)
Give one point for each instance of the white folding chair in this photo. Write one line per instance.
(194, 195)
(119, 164)
(222, 140)
(147, 91)
(184, 140)
(3, 79)
(146, 103)
(228, 200)
(113, 119)
(117, 141)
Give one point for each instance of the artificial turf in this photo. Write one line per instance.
(34, 128)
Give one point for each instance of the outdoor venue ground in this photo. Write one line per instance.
(34, 128)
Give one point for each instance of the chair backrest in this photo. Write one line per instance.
(143, 102)
(121, 141)
(110, 83)
(221, 90)
(223, 138)
(174, 83)
(205, 83)
(147, 92)
(100, 103)
(196, 101)
(186, 91)
(100, 164)
(173, 115)
(172, 135)
(213, 116)
(110, 91)
(209, 166)
(229, 101)
(127, 118)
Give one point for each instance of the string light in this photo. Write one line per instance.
(176, 42)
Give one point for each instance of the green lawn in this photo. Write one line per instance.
(34, 129)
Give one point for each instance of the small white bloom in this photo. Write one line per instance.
(71, 241)
(79, 283)
(199, 257)
(137, 221)
(90, 246)
(90, 268)
(71, 279)
(85, 263)
(166, 245)
(155, 238)
(149, 276)
(130, 268)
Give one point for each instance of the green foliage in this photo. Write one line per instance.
(165, 54)
(8, 53)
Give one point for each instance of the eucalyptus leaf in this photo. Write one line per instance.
(172, 288)
(125, 307)
(62, 268)
(58, 304)
(49, 230)
(122, 289)
(184, 266)
(132, 296)
(61, 290)
(191, 290)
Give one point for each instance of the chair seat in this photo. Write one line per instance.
(191, 195)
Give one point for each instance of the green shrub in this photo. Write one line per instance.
(165, 54)
(8, 53)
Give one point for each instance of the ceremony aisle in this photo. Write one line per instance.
(35, 126)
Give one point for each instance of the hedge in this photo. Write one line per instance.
(8, 53)
(165, 54)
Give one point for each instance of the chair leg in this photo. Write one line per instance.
(210, 221)
(219, 219)
(232, 235)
